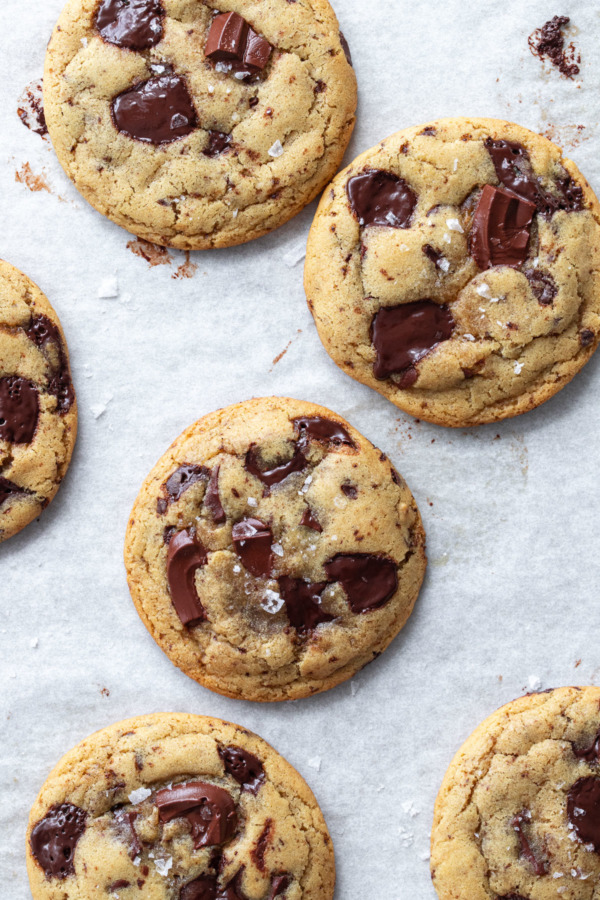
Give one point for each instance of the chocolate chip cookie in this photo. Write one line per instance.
(273, 551)
(177, 807)
(518, 813)
(201, 124)
(38, 411)
(454, 268)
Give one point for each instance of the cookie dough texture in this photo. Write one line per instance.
(172, 193)
(509, 352)
(126, 851)
(38, 410)
(501, 826)
(247, 647)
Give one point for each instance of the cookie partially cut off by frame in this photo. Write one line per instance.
(455, 268)
(177, 807)
(192, 125)
(518, 814)
(273, 551)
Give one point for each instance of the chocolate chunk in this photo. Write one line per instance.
(542, 285)
(209, 809)
(403, 335)
(134, 24)
(316, 428)
(276, 475)
(429, 131)
(55, 837)
(41, 331)
(369, 581)
(203, 888)
(433, 255)
(260, 848)
(549, 41)
(127, 819)
(252, 540)
(157, 111)
(501, 226)
(346, 49)
(540, 867)
(117, 885)
(350, 490)
(279, 886)
(231, 40)
(514, 170)
(9, 489)
(19, 410)
(590, 754)
(381, 198)
(309, 520)
(583, 810)
(218, 142)
(586, 337)
(233, 890)
(246, 768)
(179, 482)
(212, 498)
(302, 601)
(184, 557)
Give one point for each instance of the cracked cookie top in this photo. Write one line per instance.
(518, 814)
(199, 124)
(38, 411)
(273, 551)
(177, 807)
(454, 269)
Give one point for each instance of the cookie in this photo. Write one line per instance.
(38, 410)
(454, 269)
(273, 551)
(518, 813)
(201, 124)
(177, 807)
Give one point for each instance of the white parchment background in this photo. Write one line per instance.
(511, 511)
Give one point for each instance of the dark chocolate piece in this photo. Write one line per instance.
(309, 520)
(346, 49)
(543, 286)
(9, 489)
(157, 111)
(134, 24)
(209, 809)
(41, 331)
(128, 818)
(252, 540)
(586, 337)
(369, 581)
(501, 228)
(316, 428)
(549, 41)
(540, 867)
(403, 335)
(435, 256)
(179, 482)
(302, 601)
(260, 848)
(277, 474)
(117, 885)
(350, 490)
(583, 810)
(246, 768)
(55, 837)
(231, 40)
(381, 198)
(212, 498)
(279, 886)
(233, 890)
(590, 754)
(203, 888)
(19, 410)
(514, 171)
(218, 142)
(184, 556)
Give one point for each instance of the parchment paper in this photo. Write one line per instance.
(512, 511)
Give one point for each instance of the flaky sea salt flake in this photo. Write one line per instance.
(276, 150)
(139, 795)
(163, 866)
(454, 225)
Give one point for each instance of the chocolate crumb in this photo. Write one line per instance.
(549, 41)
